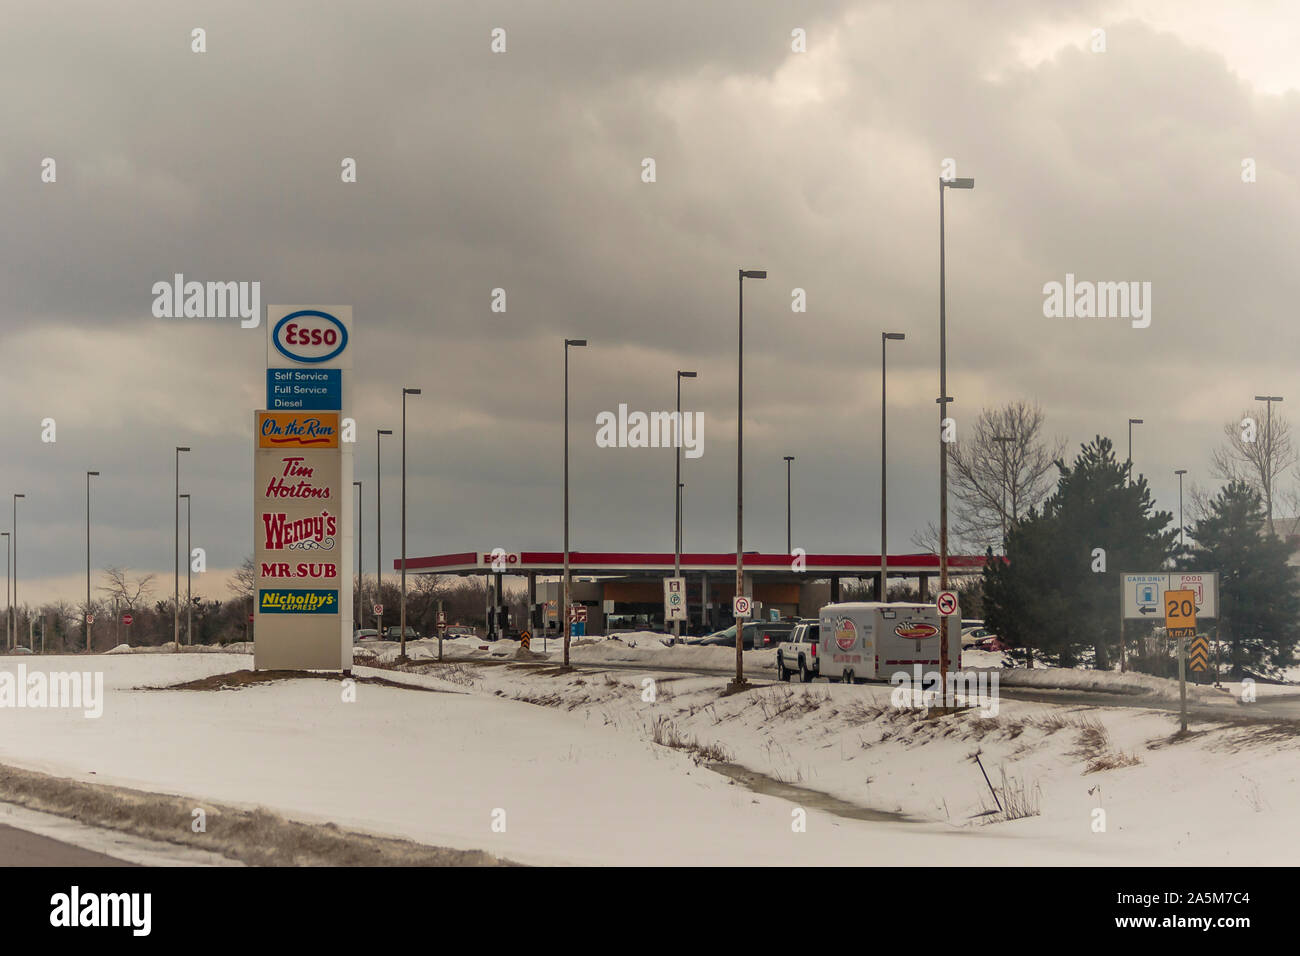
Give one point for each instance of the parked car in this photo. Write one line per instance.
(756, 634)
(460, 630)
(394, 633)
(799, 653)
(725, 638)
(365, 634)
(769, 635)
(989, 642)
(974, 636)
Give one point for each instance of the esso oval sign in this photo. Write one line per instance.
(310, 336)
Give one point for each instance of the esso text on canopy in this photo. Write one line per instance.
(310, 335)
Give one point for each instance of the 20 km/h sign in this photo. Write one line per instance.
(1180, 613)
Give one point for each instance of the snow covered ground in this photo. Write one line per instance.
(576, 777)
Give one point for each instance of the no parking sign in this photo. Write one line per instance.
(740, 606)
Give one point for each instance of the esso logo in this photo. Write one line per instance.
(310, 336)
(846, 634)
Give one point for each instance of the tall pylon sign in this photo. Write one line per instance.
(302, 492)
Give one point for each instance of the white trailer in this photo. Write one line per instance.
(873, 640)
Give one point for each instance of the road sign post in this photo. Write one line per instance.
(1198, 658)
(1180, 622)
(577, 620)
(674, 599)
(1142, 598)
(442, 624)
(1182, 683)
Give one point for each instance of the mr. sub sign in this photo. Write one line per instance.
(298, 548)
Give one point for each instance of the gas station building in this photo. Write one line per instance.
(624, 590)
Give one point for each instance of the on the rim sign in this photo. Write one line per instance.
(302, 496)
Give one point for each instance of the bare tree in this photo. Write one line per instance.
(244, 581)
(1258, 450)
(1000, 471)
(129, 594)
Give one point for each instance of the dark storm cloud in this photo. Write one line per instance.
(521, 171)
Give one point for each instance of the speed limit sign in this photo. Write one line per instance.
(740, 606)
(947, 603)
(1180, 613)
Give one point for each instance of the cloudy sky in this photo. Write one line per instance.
(522, 171)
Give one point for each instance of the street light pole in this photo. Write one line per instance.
(176, 547)
(8, 641)
(883, 595)
(405, 392)
(789, 539)
(943, 401)
(1180, 472)
(564, 611)
(1129, 465)
(189, 567)
(85, 616)
(361, 581)
(379, 533)
(1268, 456)
(14, 528)
(1002, 440)
(677, 496)
(744, 274)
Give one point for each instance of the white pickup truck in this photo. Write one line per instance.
(799, 653)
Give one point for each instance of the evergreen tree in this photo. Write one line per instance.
(1059, 588)
(1259, 595)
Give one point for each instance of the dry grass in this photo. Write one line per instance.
(1094, 746)
(1018, 800)
(780, 700)
(1112, 761)
(665, 733)
(255, 837)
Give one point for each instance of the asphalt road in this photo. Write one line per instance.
(21, 848)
